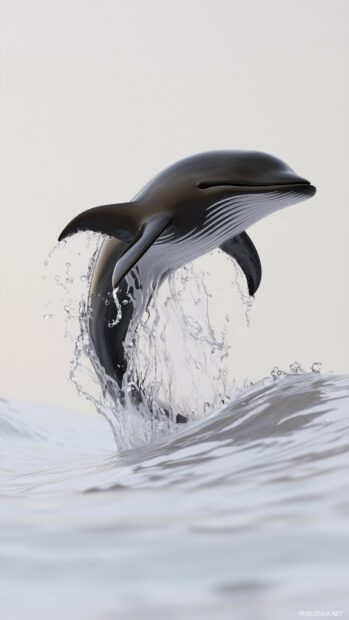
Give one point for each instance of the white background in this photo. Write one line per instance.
(97, 97)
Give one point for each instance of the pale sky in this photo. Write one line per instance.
(97, 97)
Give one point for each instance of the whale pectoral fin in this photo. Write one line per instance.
(243, 251)
(148, 232)
(119, 220)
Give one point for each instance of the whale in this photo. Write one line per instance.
(200, 203)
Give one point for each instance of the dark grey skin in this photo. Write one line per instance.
(204, 202)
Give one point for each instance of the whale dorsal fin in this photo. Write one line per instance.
(242, 249)
(117, 220)
(148, 232)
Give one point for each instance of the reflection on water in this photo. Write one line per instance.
(242, 514)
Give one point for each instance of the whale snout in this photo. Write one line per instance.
(289, 179)
(297, 186)
(308, 190)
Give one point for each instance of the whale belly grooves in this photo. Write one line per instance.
(224, 220)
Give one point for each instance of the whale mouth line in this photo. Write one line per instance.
(254, 188)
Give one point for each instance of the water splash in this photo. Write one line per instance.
(294, 369)
(177, 361)
(180, 349)
(240, 283)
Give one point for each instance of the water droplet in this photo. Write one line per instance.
(296, 368)
(274, 373)
(277, 373)
(316, 367)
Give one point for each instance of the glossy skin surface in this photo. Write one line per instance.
(197, 204)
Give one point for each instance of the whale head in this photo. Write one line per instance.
(242, 169)
(233, 171)
(226, 190)
(258, 181)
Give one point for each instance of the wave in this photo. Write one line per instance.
(283, 429)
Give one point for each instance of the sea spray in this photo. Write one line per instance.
(177, 361)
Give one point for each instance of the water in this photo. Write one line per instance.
(174, 348)
(241, 513)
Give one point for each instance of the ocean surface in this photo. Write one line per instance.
(242, 514)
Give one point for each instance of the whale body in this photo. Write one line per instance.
(200, 203)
